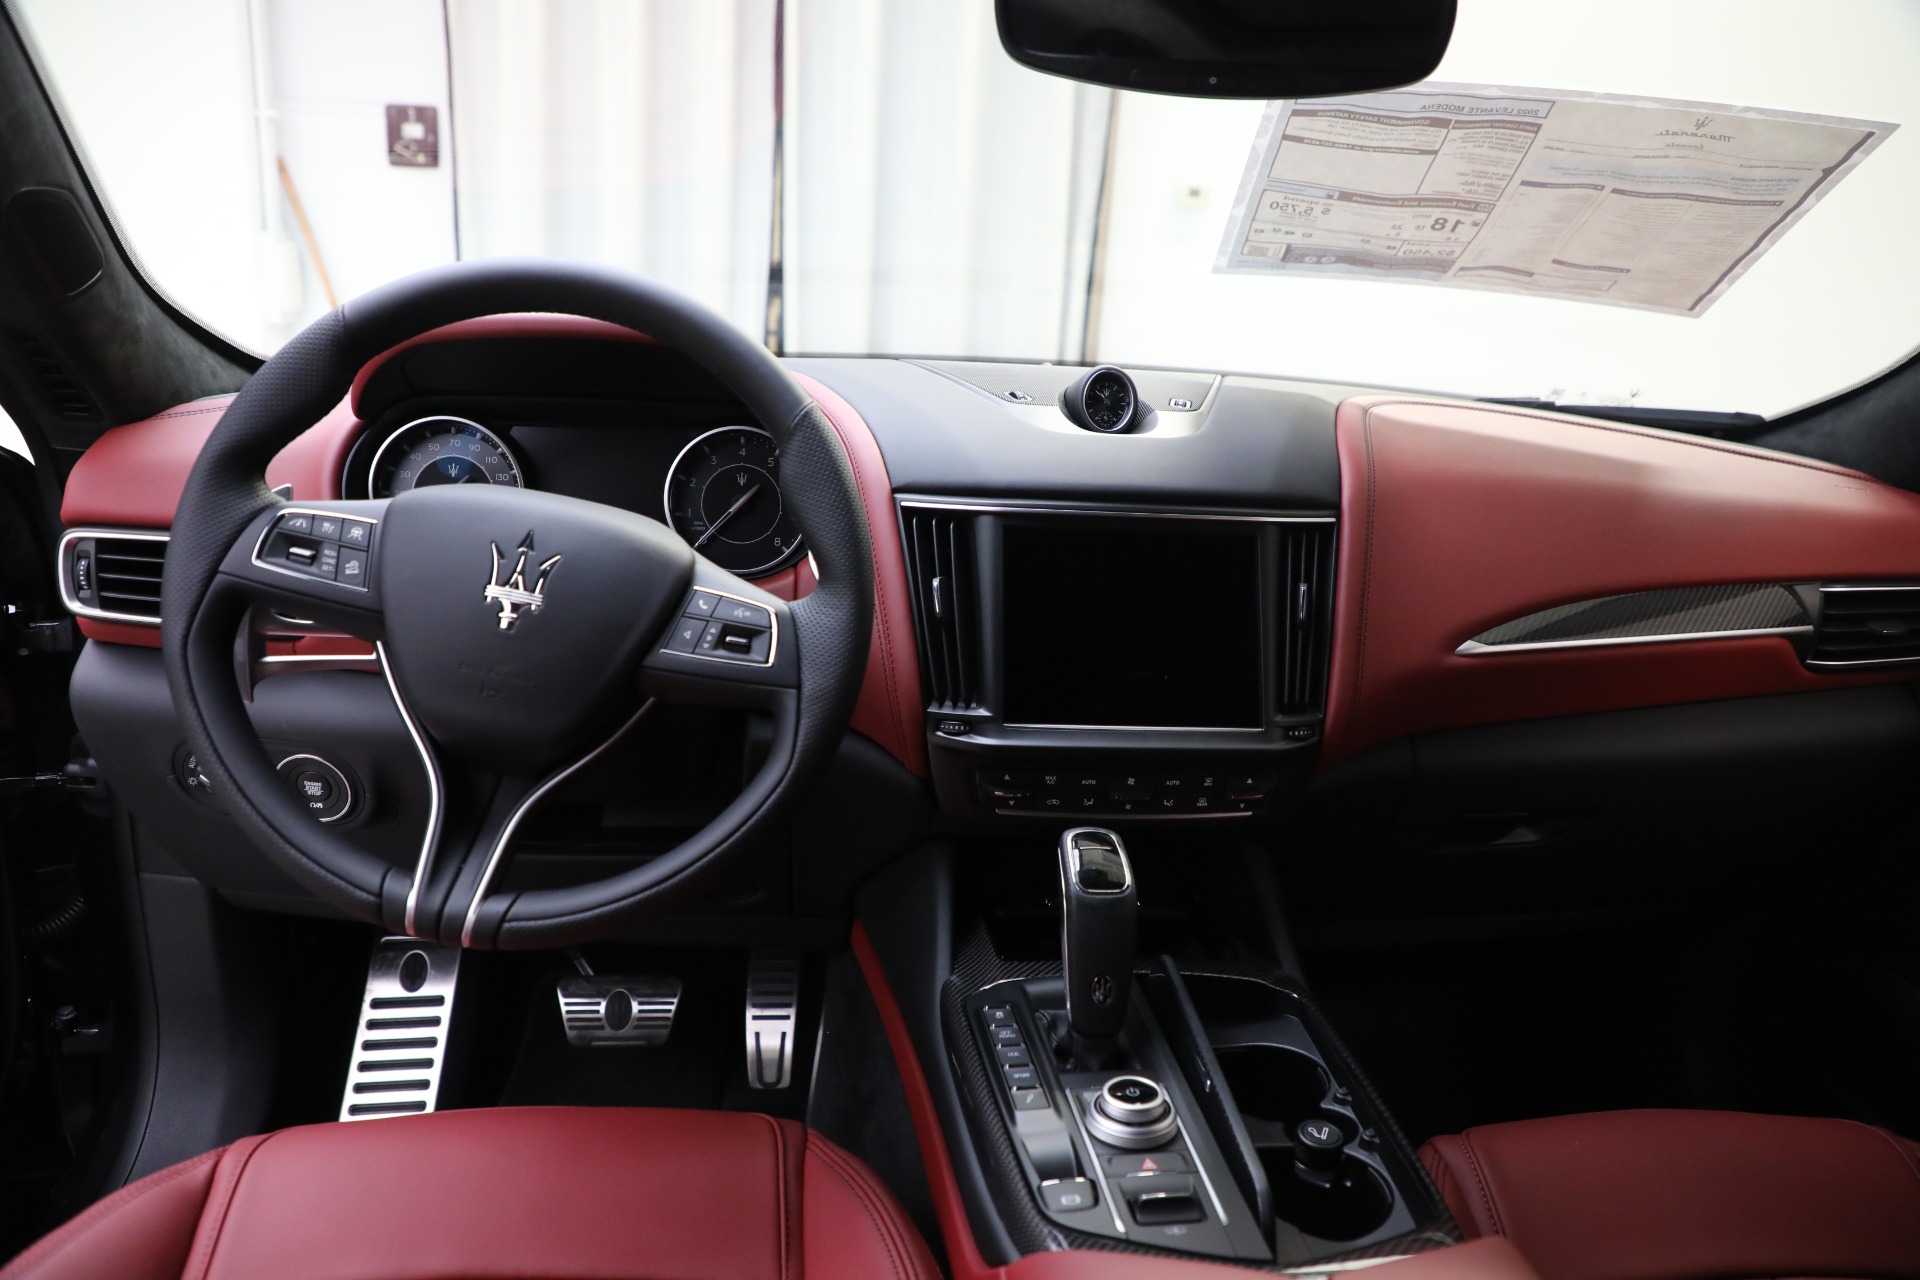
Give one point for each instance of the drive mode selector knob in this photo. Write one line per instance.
(1132, 1112)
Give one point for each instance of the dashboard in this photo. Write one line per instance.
(1248, 585)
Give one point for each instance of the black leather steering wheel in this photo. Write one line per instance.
(522, 632)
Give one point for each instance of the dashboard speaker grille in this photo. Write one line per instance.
(941, 564)
(1307, 599)
(1866, 624)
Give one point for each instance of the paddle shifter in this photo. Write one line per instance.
(1097, 924)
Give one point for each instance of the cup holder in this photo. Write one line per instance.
(1276, 1089)
(1354, 1203)
(1268, 1082)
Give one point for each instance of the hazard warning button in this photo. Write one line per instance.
(1148, 1162)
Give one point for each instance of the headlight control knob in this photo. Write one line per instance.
(320, 786)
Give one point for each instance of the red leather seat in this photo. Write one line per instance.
(1688, 1195)
(560, 1193)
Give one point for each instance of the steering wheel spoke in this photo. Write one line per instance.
(316, 560)
(730, 645)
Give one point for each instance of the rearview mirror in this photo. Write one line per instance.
(1230, 48)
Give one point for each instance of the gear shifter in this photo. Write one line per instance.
(1097, 926)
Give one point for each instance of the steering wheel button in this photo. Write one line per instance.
(702, 604)
(686, 635)
(353, 568)
(751, 615)
(327, 527)
(356, 533)
(296, 522)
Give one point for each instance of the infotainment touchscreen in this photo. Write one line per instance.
(1131, 626)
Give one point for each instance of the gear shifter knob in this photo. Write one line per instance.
(1097, 925)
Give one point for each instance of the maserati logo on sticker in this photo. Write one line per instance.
(512, 594)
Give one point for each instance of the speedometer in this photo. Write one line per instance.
(442, 450)
(723, 497)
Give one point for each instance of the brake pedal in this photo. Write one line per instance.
(773, 1017)
(606, 1011)
(400, 1043)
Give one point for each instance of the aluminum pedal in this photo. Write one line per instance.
(773, 1017)
(400, 1043)
(604, 1011)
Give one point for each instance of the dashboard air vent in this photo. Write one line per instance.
(115, 577)
(1865, 624)
(940, 564)
(1307, 614)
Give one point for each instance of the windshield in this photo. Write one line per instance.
(840, 176)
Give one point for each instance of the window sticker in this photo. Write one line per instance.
(1631, 202)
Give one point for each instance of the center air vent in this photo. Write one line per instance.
(1866, 624)
(112, 576)
(940, 565)
(1307, 611)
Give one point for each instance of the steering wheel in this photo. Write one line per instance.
(522, 633)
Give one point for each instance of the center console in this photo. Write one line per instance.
(1141, 1082)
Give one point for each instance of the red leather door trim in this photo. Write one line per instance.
(1457, 517)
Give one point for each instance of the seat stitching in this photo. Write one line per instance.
(197, 1265)
(864, 1181)
(65, 1237)
(1486, 1189)
(780, 1188)
(1905, 1154)
(864, 1197)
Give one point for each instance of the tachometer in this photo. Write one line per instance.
(723, 497)
(442, 450)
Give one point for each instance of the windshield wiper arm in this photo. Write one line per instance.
(1699, 422)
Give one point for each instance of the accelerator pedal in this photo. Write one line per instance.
(773, 1017)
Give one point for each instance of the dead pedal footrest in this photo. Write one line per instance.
(400, 1042)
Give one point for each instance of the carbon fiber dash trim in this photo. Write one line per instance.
(1645, 616)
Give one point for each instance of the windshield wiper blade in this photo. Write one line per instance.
(1699, 422)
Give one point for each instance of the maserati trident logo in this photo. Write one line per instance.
(513, 594)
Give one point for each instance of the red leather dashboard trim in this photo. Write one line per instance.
(1457, 517)
(890, 709)
(132, 476)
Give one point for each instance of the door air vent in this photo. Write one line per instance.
(112, 576)
(69, 399)
(1867, 624)
(940, 565)
(1306, 616)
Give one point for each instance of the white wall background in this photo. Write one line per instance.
(938, 198)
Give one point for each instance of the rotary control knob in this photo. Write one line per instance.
(1132, 1112)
